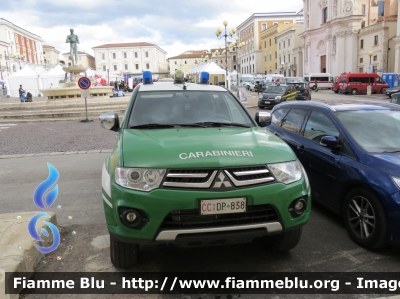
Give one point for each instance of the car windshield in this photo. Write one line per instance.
(373, 130)
(153, 109)
(275, 89)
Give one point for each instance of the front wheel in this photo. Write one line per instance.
(123, 255)
(335, 91)
(365, 219)
(284, 241)
(354, 91)
(383, 90)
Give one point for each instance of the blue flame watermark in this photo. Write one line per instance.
(44, 202)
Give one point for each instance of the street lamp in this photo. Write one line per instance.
(370, 53)
(230, 35)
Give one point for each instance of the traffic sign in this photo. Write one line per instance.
(370, 69)
(85, 93)
(84, 83)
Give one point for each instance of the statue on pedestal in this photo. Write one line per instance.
(73, 40)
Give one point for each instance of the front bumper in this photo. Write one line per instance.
(264, 103)
(158, 204)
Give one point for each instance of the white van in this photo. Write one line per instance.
(273, 77)
(324, 80)
(288, 80)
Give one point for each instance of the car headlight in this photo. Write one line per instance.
(261, 97)
(396, 180)
(287, 172)
(278, 98)
(141, 179)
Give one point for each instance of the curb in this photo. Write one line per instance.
(17, 250)
(56, 154)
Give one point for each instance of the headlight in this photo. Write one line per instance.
(287, 172)
(396, 181)
(141, 179)
(278, 98)
(261, 97)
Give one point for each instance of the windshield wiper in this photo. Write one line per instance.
(151, 126)
(219, 124)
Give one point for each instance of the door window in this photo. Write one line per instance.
(318, 126)
(278, 115)
(294, 120)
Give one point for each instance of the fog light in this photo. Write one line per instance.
(298, 207)
(131, 218)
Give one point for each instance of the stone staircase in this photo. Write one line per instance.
(42, 109)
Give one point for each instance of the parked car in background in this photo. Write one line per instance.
(302, 90)
(245, 80)
(276, 94)
(351, 154)
(356, 83)
(392, 90)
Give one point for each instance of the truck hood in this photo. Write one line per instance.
(202, 147)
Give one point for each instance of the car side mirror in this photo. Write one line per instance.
(109, 121)
(263, 119)
(329, 142)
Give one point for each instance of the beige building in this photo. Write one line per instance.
(269, 46)
(4, 59)
(84, 59)
(51, 56)
(396, 40)
(339, 34)
(192, 58)
(131, 58)
(377, 39)
(251, 56)
(289, 45)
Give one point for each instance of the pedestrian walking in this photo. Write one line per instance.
(21, 94)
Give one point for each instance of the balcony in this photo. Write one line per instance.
(293, 66)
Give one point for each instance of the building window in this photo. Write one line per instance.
(195, 62)
(276, 54)
(114, 55)
(279, 46)
(126, 67)
(103, 56)
(361, 60)
(363, 9)
(361, 70)
(288, 57)
(265, 44)
(381, 8)
(362, 44)
(270, 56)
(283, 44)
(136, 66)
(147, 54)
(234, 58)
(362, 24)
(147, 66)
(276, 66)
(115, 67)
(270, 42)
(288, 42)
(374, 67)
(176, 62)
(104, 68)
(136, 55)
(325, 15)
(264, 26)
(125, 55)
(185, 62)
(375, 40)
(375, 58)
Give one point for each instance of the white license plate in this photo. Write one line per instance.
(267, 102)
(222, 206)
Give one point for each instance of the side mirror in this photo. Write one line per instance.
(109, 121)
(263, 119)
(329, 142)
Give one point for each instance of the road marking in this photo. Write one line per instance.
(6, 126)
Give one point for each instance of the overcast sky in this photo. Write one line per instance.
(175, 26)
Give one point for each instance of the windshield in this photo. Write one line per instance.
(182, 108)
(247, 79)
(275, 89)
(373, 130)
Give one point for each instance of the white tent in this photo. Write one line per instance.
(51, 78)
(27, 77)
(217, 74)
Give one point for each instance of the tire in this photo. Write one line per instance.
(354, 91)
(336, 91)
(284, 241)
(383, 90)
(248, 87)
(358, 205)
(123, 255)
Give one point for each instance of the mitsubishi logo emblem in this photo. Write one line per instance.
(222, 180)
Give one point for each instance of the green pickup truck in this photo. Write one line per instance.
(191, 167)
